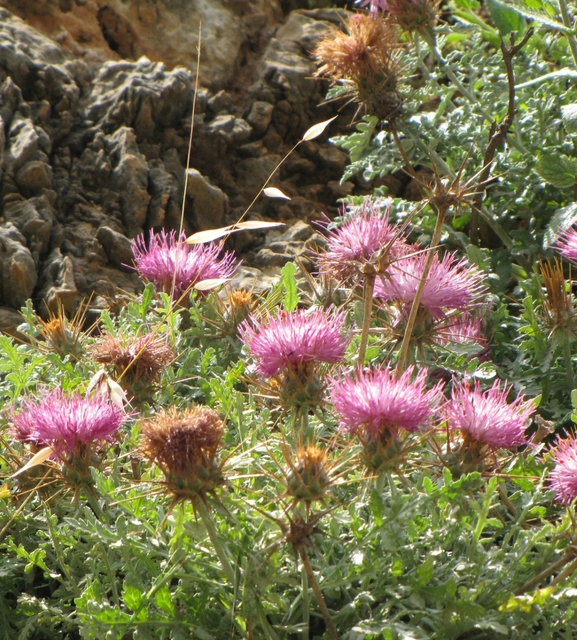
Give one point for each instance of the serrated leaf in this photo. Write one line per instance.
(163, 599)
(506, 19)
(132, 597)
(291, 298)
(273, 192)
(35, 460)
(538, 16)
(569, 116)
(562, 221)
(316, 130)
(557, 169)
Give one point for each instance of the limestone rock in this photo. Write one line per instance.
(260, 115)
(143, 95)
(129, 179)
(17, 269)
(57, 285)
(209, 203)
(118, 248)
(163, 30)
(34, 176)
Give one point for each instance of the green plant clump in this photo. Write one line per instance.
(382, 449)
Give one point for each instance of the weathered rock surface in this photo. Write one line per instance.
(93, 147)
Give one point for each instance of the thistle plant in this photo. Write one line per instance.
(174, 266)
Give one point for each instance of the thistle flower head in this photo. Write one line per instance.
(566, 245)
(174, 266)
(364, 58)
(138, 359)
(363, 235)
(410, 15)
(563, 478)
(291, 340)
(559, 304)
(486, 418)
(459, 328)
(451, 283)
(379, 401)
(66, 421)
(309, 476)
(184, 444)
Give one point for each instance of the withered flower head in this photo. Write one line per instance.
(136, 359)
(184, 444)
(559, 304)
(308, 477)
(365, 57)
(410, 15)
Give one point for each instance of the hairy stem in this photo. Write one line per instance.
(318, 594)
(369, 287)
(567, 21)
(217, 543)
(404, 353)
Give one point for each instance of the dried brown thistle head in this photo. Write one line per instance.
(138, 361)
(184, 444)
(414, 15)
(366, 58)
(559, 304)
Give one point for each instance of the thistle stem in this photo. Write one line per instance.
(306, 603)
(404, 353)
(566, 17)
(568, 360)
(544, 574)
(369, 282)
(318, 594)
(215, 539)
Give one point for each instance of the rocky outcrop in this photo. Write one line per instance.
(92, 154)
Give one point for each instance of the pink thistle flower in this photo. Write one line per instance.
(566, 245)
(486, 417)
(374, 5)
(65, 421)
(357, 240)
(451, 283)
(290, 340)
(460, 328)
(379, 401)
(168, 261)
(563, 478)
